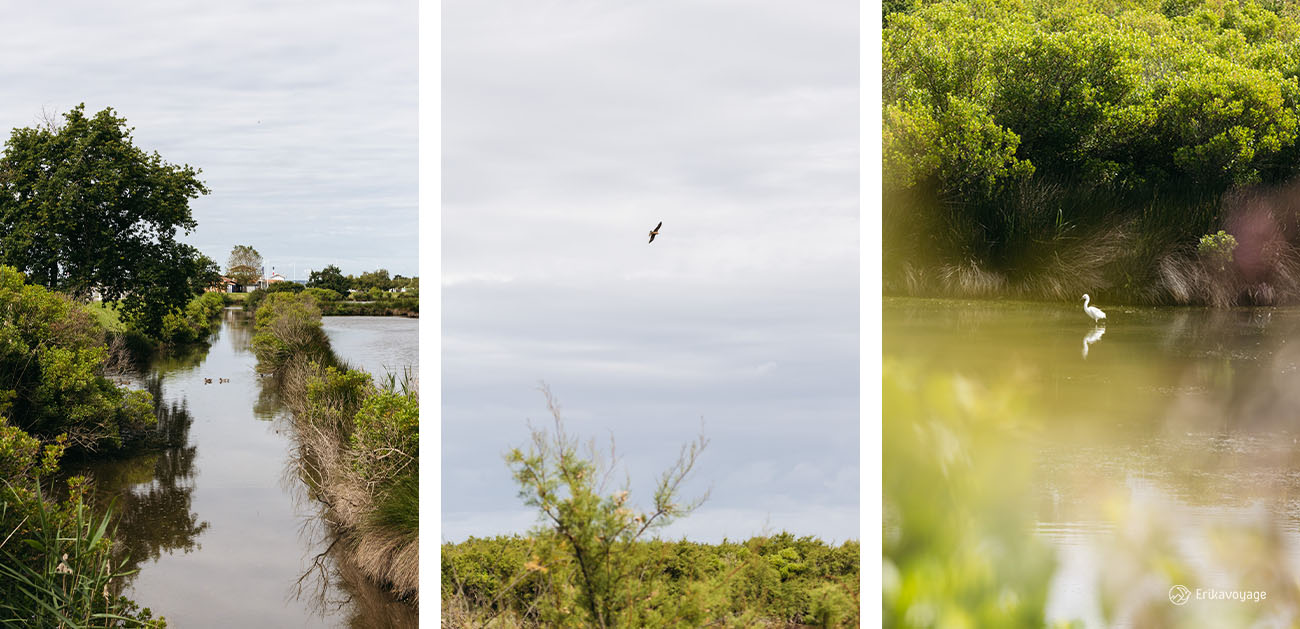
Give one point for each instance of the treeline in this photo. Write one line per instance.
(371, 284)
(375, 302)
(1046, 149)
(57, 562)
(359, 438)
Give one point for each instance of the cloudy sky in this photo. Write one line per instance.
(569, 130)
(301, 114)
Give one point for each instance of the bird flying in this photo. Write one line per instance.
(655, 231)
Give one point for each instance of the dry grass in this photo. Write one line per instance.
(383, 555)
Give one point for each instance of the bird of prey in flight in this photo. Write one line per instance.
(656, 231)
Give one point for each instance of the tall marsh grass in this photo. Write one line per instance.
(1055, 241)
(62, 572)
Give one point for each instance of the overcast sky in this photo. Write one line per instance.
(569, 130)
(301, 114)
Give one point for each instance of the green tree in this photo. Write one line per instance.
(83, 209)
(591, 539)
(374, 279)
(244, 265)
(330, 277)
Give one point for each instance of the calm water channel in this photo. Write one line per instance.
(1166, 444)
(221, 528)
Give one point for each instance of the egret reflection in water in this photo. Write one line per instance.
(1090, 338)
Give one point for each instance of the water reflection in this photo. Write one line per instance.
(151, 495)
(1090, 338)
(1173, 454)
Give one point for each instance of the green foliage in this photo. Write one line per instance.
(330, 278)
(386, 436)
(959, 549)
(374, 279)
(288, 326)
(1050, 148)
(192, 325)
(596, 534)
(52, 355)
(56, 565)
(254, 299)
(1216, 249)
(82, 208)
(335, 396)
(693, 584)
(244, 265)
(979, 93)
(323, 295)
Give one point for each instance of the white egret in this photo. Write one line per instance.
(1092, 311)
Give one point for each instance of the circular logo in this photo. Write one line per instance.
(1178, 595)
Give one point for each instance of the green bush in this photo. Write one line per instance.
(323, 295)
(285, 326)
(52, 359)
(199, 319)
(1216, 249)
(386, 437)
(255, 298)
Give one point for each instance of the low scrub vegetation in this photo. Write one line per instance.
(592, 562)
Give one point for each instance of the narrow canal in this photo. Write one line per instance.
(220, 526)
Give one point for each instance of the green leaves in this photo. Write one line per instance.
(82, 209)
(979, 93)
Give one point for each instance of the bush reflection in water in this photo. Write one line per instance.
(1168, 457)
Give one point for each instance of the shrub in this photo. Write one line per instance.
(386, 439)
(52, 359)
(1216, 249)
(287, 325)
(589, 542)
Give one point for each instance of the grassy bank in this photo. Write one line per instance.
(359, 440)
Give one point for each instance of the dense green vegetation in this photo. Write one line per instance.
(360, 439)
(773, 581)
(1047, 149)
(591, 563)
(85, 211)
(53, 364)
(57, 565)
(373, 301)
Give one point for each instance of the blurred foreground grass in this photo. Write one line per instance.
(966, 465)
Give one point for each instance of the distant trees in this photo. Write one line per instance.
(330, 278)
(83, 210)
(244, 265)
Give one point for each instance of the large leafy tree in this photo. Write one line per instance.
(244, 265)
(83, 209)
